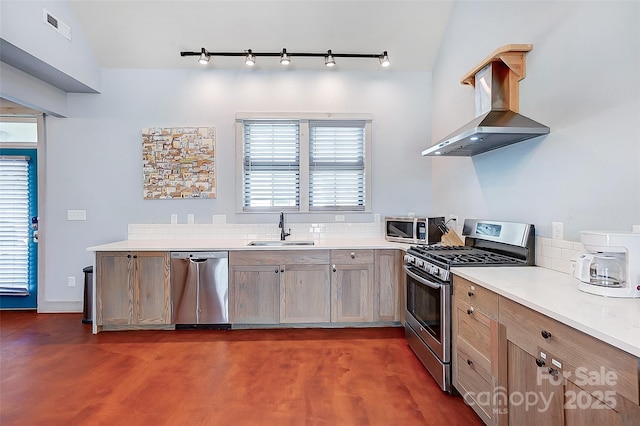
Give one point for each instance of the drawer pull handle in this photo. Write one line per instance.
(470, 311)
(540, 362)
(469, 362)
(470, 294)
(353, 255)
(277, 270)
(333, 268)
(282, 270)
(545, 334)
(553, 372)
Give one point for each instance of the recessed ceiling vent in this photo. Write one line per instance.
(56, 24)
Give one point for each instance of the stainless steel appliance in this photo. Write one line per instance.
(498, 122)
(200, 289)
(611, 266)
(414, 230)
(429, 284)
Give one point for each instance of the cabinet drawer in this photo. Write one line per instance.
(351, 257)
(479, 297)
(473, 382)
(473, 327)
(279, 257)
(587, 361)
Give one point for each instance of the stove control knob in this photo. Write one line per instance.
(421, 263)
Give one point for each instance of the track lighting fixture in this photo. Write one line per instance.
(285, 57)
(384, 59)
(204, 57)
(250, 59)
(328, 59)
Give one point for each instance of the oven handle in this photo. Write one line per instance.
(420, 279)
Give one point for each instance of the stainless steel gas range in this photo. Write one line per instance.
(429, 284)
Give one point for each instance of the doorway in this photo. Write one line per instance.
(18, 212)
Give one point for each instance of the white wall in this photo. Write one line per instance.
(581, 82)
(94, 156)
(22, 24)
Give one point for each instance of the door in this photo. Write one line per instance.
(18, 226)
(304, 294)
(351, 287)
(256, 294)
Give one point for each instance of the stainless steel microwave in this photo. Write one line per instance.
(414, 230)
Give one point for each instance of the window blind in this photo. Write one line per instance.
(271, 164)
(337, 165)
(14, 226)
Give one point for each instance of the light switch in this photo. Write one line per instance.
(76, 215)
(557, 231)
(190, 218)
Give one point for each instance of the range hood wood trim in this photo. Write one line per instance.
(512, 55)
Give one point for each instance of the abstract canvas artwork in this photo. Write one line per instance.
(179, 162)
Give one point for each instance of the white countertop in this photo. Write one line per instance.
(233, 245)
(613, 320)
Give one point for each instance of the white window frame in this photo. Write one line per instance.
(303, 119)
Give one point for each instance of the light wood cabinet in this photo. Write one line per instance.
(516, 366)
(272, 287)
(388, 286)
(589, 381)
(132, 288)
(254, 292)
(352, 285)
(304, 294)
(477, 342)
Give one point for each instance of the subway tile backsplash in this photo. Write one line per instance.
(558, 255)
(261, 231)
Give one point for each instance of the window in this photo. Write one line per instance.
(271, 152)
(308, 163)
(15, 233)
(336, 165)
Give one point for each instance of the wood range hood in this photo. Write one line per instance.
(497, 121)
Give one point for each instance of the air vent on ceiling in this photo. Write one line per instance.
(57, 24)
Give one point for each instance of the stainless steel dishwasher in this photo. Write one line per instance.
(200, 289)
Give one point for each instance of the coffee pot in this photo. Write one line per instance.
(611, 265)
(602, 269)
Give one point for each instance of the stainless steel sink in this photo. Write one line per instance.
(280, 243)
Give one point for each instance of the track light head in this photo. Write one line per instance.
(384, 59)
(250, 59)
(284, 58)
(328, 59)
(204, 57)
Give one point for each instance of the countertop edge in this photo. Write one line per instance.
(241, 245)
(474, 275)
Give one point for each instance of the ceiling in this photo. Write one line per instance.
(150, 34)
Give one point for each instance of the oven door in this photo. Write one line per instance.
(428, 311)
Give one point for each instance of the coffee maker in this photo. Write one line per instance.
(611, 265)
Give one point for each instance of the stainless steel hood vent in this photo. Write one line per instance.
(498, 122)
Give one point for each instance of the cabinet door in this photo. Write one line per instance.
(152, 288)
(304, 294)
(535, 397)
(351, 293)
(387, 290)
(114, 288)
(254, 294)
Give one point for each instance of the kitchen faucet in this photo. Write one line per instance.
(283, 234)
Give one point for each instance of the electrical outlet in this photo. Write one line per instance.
(174, 219)
(339, 218)
(190, 218)
(636, 229)
(557, 231)
(411, 214)
(376, 218)
(71, 281)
